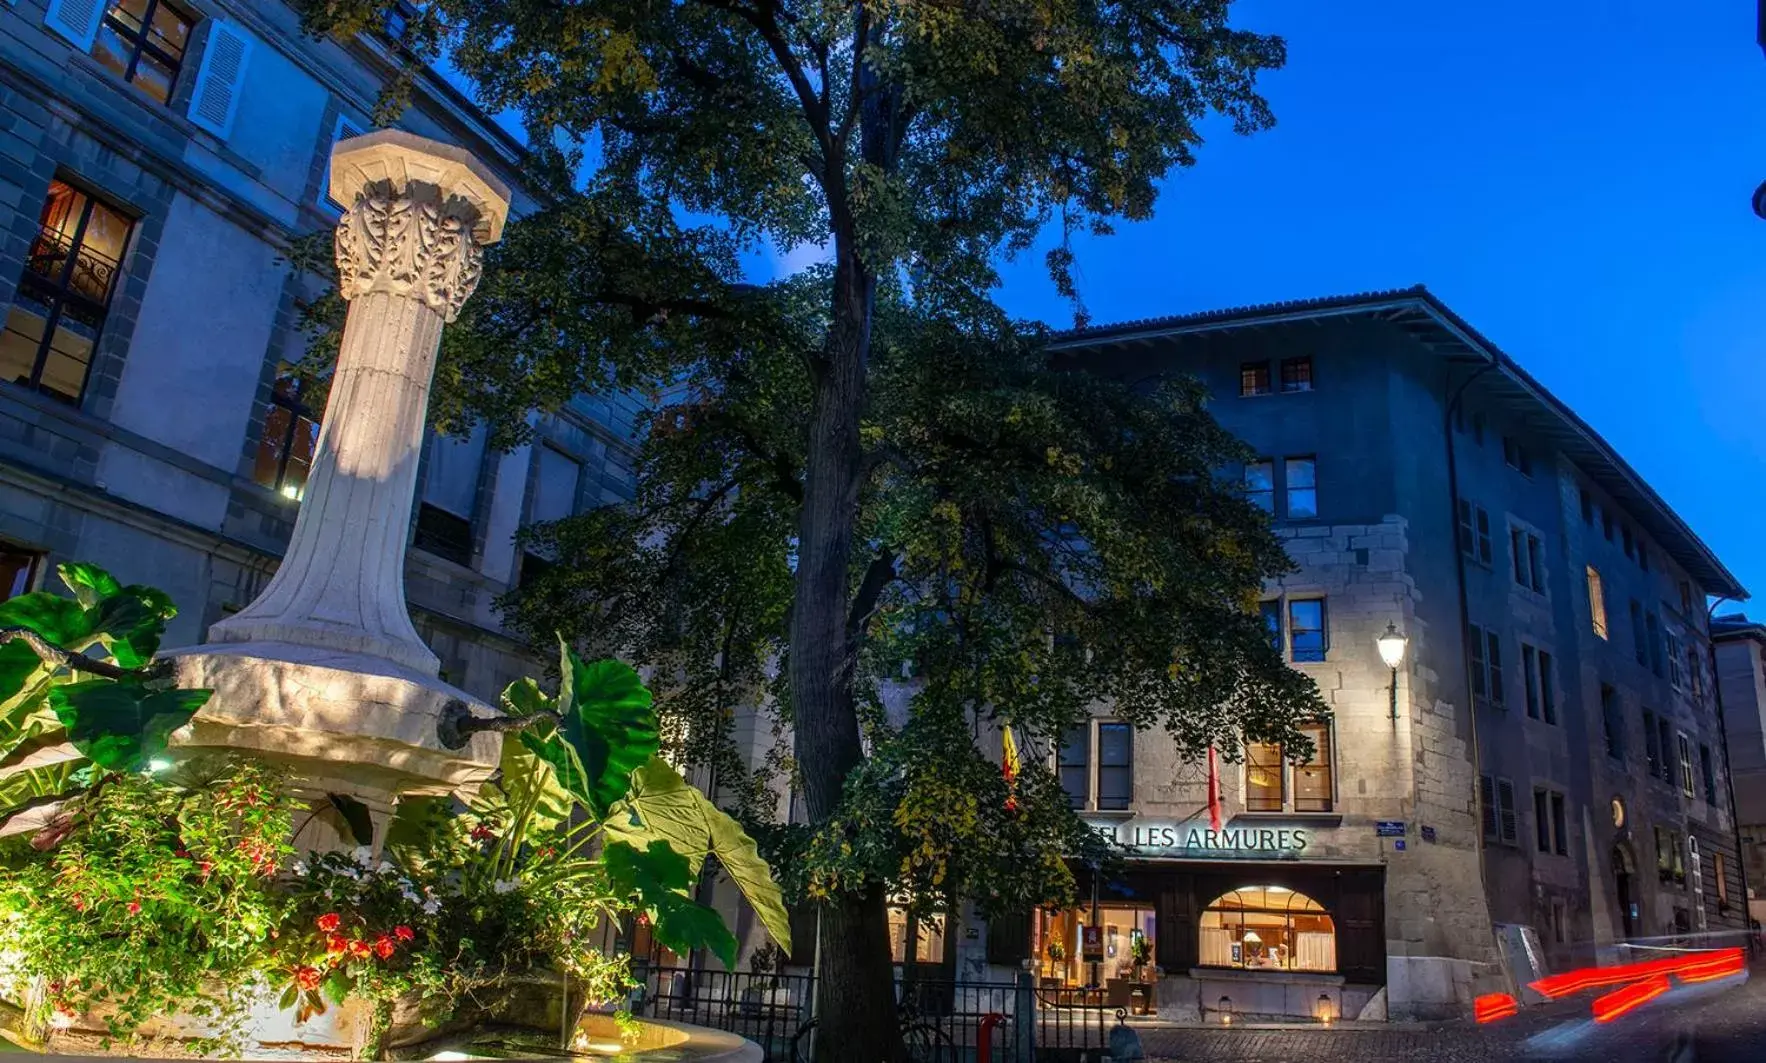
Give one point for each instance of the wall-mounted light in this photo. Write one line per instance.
(1225, 1007)
(1326, 1010)
(1392, 645)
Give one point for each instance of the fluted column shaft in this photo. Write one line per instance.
(408, 256)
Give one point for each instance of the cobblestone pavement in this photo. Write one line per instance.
(1717, 1023)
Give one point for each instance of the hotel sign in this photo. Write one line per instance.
(1197, 840)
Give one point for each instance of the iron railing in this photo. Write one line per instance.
(940, 1018)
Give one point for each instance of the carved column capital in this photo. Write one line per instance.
(419, 215)
(409, 242)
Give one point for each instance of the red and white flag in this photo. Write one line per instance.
(1213, 789)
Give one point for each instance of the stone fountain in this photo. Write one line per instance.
(323, 671)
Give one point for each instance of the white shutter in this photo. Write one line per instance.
(76, 20)
(221, 78)
(344, 130)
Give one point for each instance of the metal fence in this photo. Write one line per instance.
(941, 1019)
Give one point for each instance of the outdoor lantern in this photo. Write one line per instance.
(1392, 646)
(1324, 1010)
(1226, 1011)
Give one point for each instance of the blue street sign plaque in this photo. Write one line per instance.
(1398, 845)
(1389, 828)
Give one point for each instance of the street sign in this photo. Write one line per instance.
(1429, 834)
(1398, 844)
(1389, 828)
(1091, 948)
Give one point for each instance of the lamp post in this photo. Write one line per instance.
(1392, 645)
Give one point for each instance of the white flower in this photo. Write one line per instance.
(384, 868)
(363, 856)
(431, 906)
(410, 897)
(506, 885)
(300, 868)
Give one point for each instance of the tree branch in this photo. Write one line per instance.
(60, 658)
(878, 576)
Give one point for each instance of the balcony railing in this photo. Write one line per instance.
(93, 274)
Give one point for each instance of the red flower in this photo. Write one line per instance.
(134, 907)
(383, 946)
(336, 945)
(1011, 804)
(330, 921)
(482, 833)
(360, 949)
(403, 932)
(306, 977)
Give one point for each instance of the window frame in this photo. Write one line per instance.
(1652, 744)
(1612, 714)
(1474, 529)
(135, 45)
(1708, 774)
(1323, 629)
(1255, 380)
(58, 294)
(1683, 746)
(1597, 603)
(1515, 456)
(1486, 662)
(25, 573)
(1296, 385)
(297, 412)
(1098, 769)
(1255, 495)
(1091, 763)
(1310, 461)
(1288, 801)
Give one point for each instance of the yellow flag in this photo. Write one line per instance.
(1011, 762)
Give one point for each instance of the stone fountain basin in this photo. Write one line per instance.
(598, 1038)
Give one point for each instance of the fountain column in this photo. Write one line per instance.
(324, 670)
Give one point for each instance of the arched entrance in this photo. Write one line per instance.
(1624, 884)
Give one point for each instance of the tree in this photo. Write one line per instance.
(918, 143)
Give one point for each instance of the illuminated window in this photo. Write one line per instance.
(143, 42)
(1597, 602)
(1253, 379)
(926, 932)
(1264, 778)
(63, 294)
(1296, 374)
(290, 438)
(1268, 928)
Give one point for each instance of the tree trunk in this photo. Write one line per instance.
(855, 1000)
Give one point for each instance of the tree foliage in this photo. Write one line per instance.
(868, 465)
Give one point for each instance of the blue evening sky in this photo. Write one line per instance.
(1571, 176)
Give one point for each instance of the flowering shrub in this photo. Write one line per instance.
(161, 900)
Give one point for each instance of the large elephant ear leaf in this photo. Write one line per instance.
(663, 807)
(525, 698)
(607, 718)
(90, 584)
(526, 778)
(61, 621)
(131, 622)
(119, 725)
(657, 877)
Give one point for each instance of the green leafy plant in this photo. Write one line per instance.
(162, 901)
(79, 695)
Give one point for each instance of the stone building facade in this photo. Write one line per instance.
(150, 181)
(1539, 785)
(1741, 679)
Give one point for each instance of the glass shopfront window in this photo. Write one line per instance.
(1060, 942)
(927, 932)
(1268, 928)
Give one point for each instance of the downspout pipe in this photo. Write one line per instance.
(1741, 856)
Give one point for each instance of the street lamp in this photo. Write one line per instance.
(1392, 645)
(1225, 1007)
